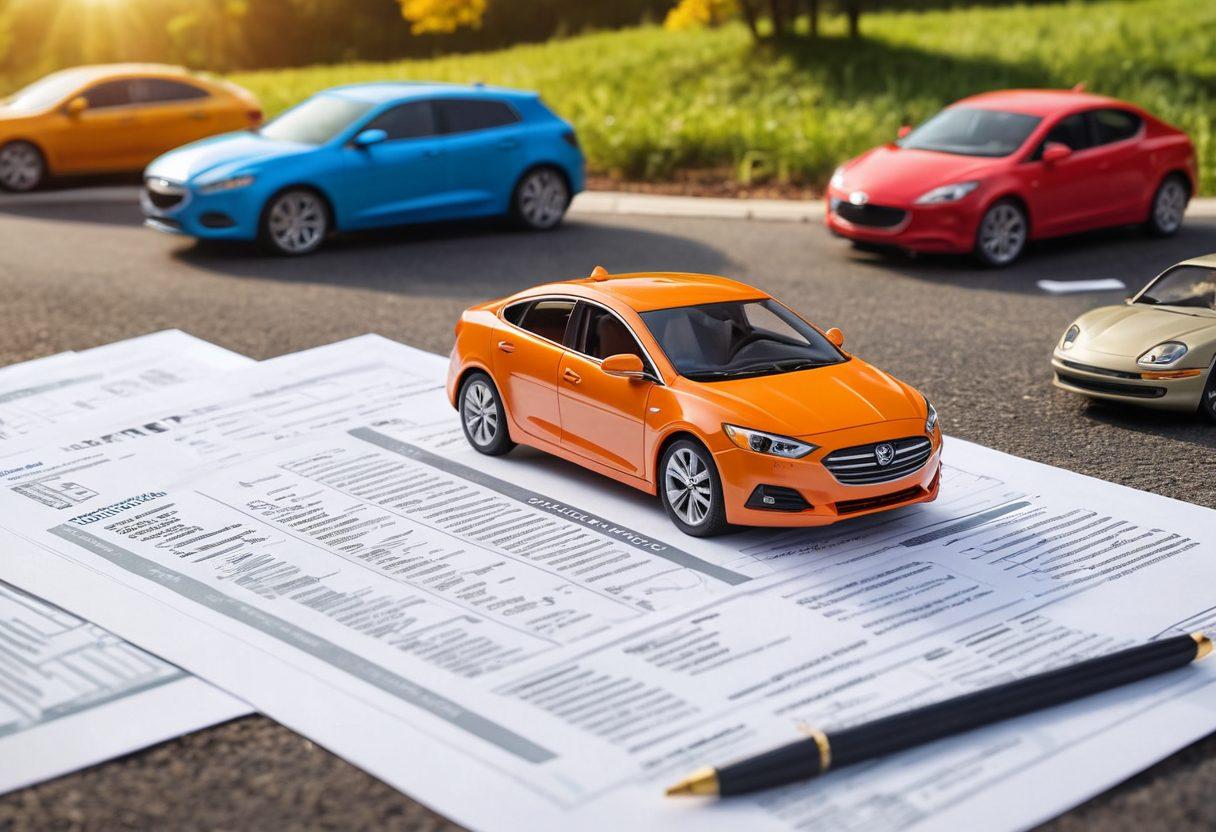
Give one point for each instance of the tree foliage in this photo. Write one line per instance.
(442, 16)
(693, 14)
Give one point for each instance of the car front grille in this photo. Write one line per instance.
(863, 464)
(854, 506)
(1101, 371)
(162, 193)
(874, 216)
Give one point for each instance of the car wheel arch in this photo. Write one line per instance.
(544, 163)
(303, 186)
(473, 368)
(1020, 201)
(48, 168)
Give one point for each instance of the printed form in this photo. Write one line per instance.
(520, 644)
(72, 694)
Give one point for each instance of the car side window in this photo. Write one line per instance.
(514, 313)
(469, 114)
(548, 318)
(602, 334)
(407, 121)
(164, 91)
(1072, 131)
(1114, 125)
(109, 94)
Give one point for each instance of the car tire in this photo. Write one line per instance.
(294, 222)
(1168, 206)
(22, 167)
(1002, 234)
(540, 199)
(691, 489)
(483, 417)
(1207, 399)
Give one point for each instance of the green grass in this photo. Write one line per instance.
(649, 103)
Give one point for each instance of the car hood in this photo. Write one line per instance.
(221, 156)
(893, 174)
(1131, 329)
(820, 400)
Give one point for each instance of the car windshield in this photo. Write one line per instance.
(316, 121)
(44, 93)
(736, 339)
(972, 132)
(1193, 287)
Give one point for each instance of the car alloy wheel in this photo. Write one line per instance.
(1169, 206)
(686, 481)
(482, 416)
(297, 222)
(1207, 400)
(1002, 234)
(21, 167)
(541, 199)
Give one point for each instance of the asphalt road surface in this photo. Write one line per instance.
(77, 271)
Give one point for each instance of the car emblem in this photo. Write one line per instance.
(884, 454)
(859, 198)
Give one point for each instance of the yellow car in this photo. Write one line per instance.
(1157, 349)
(112, 118)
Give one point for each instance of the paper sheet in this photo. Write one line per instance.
(72, 694)
(524, 646)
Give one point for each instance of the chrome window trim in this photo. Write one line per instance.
(658, 377)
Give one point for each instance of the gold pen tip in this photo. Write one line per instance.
(1203, 646)
(702, 781)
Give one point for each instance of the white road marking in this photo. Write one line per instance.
(1067, 287)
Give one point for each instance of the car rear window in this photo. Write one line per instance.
(467, 115)
(1114, 125)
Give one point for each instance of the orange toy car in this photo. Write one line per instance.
(112, 117)
(705, 390)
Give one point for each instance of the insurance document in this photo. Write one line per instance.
(72, 694)
(521, 645)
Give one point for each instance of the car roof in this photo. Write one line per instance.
(1039, 102)
(385, 92)
(93, 72)
(646, 291)
(1205, 260)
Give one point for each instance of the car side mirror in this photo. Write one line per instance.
(835, 336)
(77, 106)
(625, 365)
(370, 137)
(903, 131)
(1054, 152)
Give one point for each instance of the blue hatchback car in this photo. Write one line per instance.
(368, 156)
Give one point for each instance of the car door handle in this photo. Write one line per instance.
(506, 346)
(571, 376)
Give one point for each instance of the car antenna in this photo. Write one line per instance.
(598, 273)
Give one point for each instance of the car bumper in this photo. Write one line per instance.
(1114, 378)
(828, 499)
(947, 229)
(231, 215)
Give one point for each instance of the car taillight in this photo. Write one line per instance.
(571, 138)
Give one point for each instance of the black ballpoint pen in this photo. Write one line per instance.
(822, 751)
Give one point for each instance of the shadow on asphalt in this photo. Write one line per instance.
(1106, 253)
(1192, 428)
(454, 258)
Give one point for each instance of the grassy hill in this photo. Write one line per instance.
(650, 103)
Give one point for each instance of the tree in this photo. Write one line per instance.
(442, 16)
(690, 14)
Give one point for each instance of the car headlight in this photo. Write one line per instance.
(772, 444)
(931, 418)
(838, 177)
(1164, 353)
(230, 184)
(948, 193)
(1070, 336)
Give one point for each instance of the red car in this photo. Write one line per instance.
(991, 172)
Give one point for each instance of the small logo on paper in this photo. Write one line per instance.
(884, 454)
(859, 198)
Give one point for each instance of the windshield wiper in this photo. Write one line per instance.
(789, 365)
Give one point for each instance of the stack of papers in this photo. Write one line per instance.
(523, 645)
